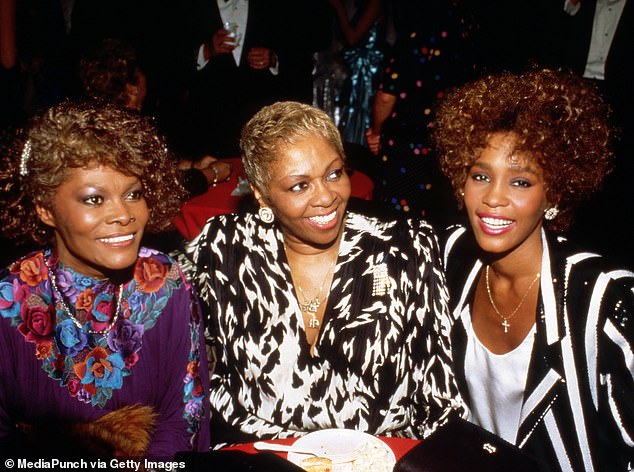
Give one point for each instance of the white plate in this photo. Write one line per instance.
(378, 457)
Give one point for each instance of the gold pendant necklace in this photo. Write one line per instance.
(505, 319)
(310, 306)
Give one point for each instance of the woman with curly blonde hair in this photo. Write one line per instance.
(543, 337)
(100, 339)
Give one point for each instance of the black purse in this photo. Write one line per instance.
(461, 446)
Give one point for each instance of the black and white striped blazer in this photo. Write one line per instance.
(578, 407)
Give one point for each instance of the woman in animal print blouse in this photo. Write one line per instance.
(320, 317)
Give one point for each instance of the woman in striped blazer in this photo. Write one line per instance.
(543, 333)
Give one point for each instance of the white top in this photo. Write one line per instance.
(496, 383)
(606, 18)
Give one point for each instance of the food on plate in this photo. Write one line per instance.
(348, 451)
(372, 456)
(316, 464)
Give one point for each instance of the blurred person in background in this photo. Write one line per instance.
(432, 55)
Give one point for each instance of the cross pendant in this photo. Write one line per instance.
(506, 325)
(313, 323)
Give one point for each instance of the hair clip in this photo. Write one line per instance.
(24, 159)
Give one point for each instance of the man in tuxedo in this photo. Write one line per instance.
(234, 52)
(247, 54)
(595, 38)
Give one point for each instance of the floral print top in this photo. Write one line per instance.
(92, 350)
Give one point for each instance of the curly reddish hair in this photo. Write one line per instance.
(80, 134)
(559, 119)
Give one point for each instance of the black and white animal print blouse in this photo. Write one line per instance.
(382, 359)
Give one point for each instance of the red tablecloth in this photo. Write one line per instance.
(400, 446)
(218, 200)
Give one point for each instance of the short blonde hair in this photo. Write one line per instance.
(276, 126)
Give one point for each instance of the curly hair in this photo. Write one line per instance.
(276, 126)
(75, 135)
(560, 121)
(105, 71)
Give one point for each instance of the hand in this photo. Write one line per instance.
(222, 170)
(216, 172)
(221, 43)
(203, 162)
(374, 141)
(261, 58)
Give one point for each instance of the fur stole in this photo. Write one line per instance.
(123, 433)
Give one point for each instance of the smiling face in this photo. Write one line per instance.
(505, 199)
(98, 215)
(308, 192)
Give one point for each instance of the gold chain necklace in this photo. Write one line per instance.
(60, 300)
(311, 305)
(505, 319)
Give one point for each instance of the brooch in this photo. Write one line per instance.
(380, 279)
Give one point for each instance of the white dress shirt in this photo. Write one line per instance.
(606, 19)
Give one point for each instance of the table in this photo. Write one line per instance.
(400, 446)
(218, 199)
